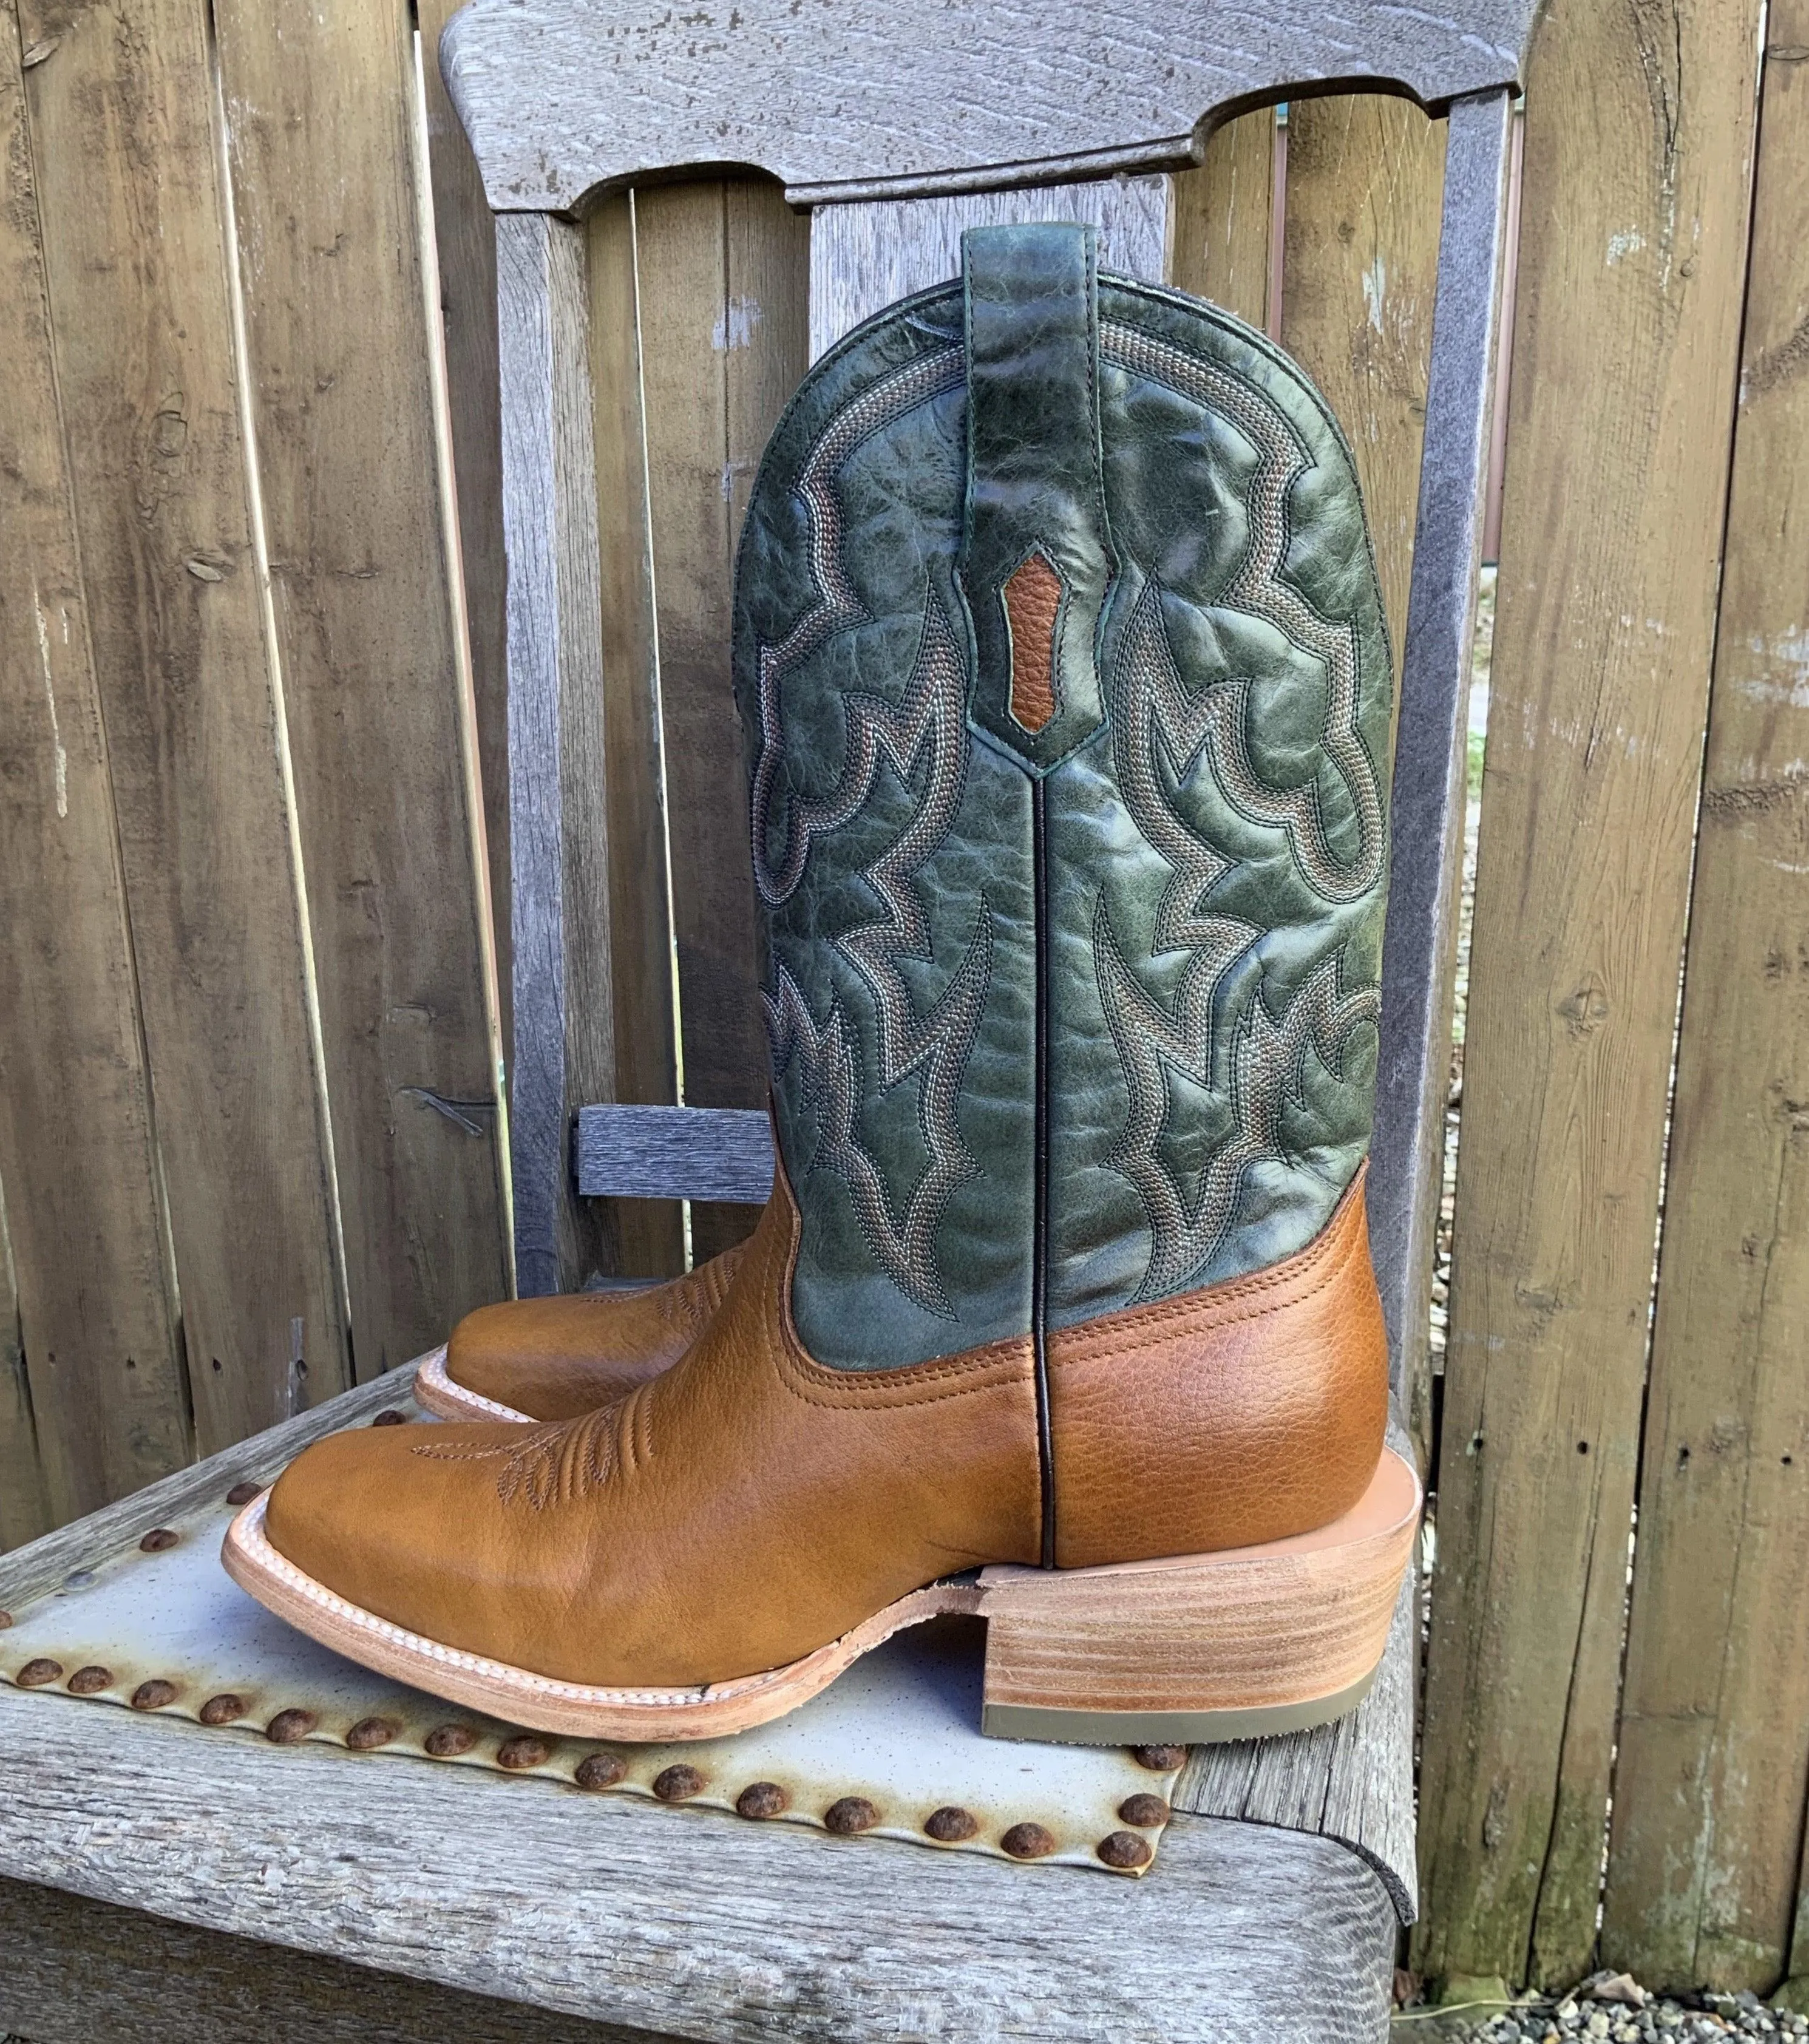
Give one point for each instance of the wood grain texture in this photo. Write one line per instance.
(1221, 211)
(72, 1970)
(1714, 1764)
(723, 272)
(653, 1918)
(1365, 181)
(321, 95)
(564, 1047)
(1365, 178)
(1638, 130)
(667, 1153)
(25, 1500)
(122, 114)
(877, 99)
(864, 257)
(465, 241)
(644, 984)
(97, 1393)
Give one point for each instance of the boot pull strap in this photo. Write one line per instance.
(1036, 552)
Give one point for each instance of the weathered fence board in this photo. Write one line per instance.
(123, 142)
(564, 1051)
(1365, 179)
(124, 136)
(464, 235)
(722, 268)
(643, 986)
(1715, 1735)
(321, 95)
(86, 1231)
(1222, 218)
(1638, 137)
(25, 1502)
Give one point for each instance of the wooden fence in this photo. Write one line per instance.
(253, 817)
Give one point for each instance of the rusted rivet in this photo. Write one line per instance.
(951, 1824)
(1144, 1812)
(1029, 1841)
(36, 1673)
(851, 1814)
(290, 1727)
(5, 1619)
(1159, 1759)
(152, 1695)
(599, 1770)
(85, 1681)
(371, 1732)
(523, 1750)
(447, 1741)
(1124, 1849)
(761, 1799)
(158, 1538)
(243, 1493)
(674, 1785)
(222, 1709)
(389, 1419)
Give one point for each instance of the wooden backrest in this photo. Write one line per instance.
(899, 125)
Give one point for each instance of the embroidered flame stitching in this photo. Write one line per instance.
(930, 720)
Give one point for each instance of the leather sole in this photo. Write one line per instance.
(435, 1393)
(1240, 1644)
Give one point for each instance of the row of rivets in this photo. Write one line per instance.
(847, 1817)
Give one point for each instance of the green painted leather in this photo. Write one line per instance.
(1034, 484)
(1216, 866)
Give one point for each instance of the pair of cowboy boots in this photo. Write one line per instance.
(1060, 655)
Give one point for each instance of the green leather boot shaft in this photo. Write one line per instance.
(1196, 666)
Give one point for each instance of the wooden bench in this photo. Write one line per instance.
(230, 1888)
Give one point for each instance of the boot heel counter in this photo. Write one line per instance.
(1249, 1412)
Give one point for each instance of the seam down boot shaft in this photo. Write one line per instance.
(1060, 655)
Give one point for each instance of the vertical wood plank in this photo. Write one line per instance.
(723, 270)
(465, 236)
(25, 1497)
(865, 255)
(1360, 266)
(1714, 1761)
(1639, 130)
(1222, 218)
(123, 137)
(564, 1046)
(651, 1232)
(92, 1399)
(319, 95)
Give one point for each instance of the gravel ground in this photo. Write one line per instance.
(1607, 2006)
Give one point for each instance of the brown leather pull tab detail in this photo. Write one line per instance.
(1033, 601)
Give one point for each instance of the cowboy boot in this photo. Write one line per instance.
(560, 1356)
(1066, 688)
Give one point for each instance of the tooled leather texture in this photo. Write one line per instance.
(560, 1356)
(750, 1505)
(1216, 852)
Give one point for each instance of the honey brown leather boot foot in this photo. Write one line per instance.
(1060, 656)
(556, 1357)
